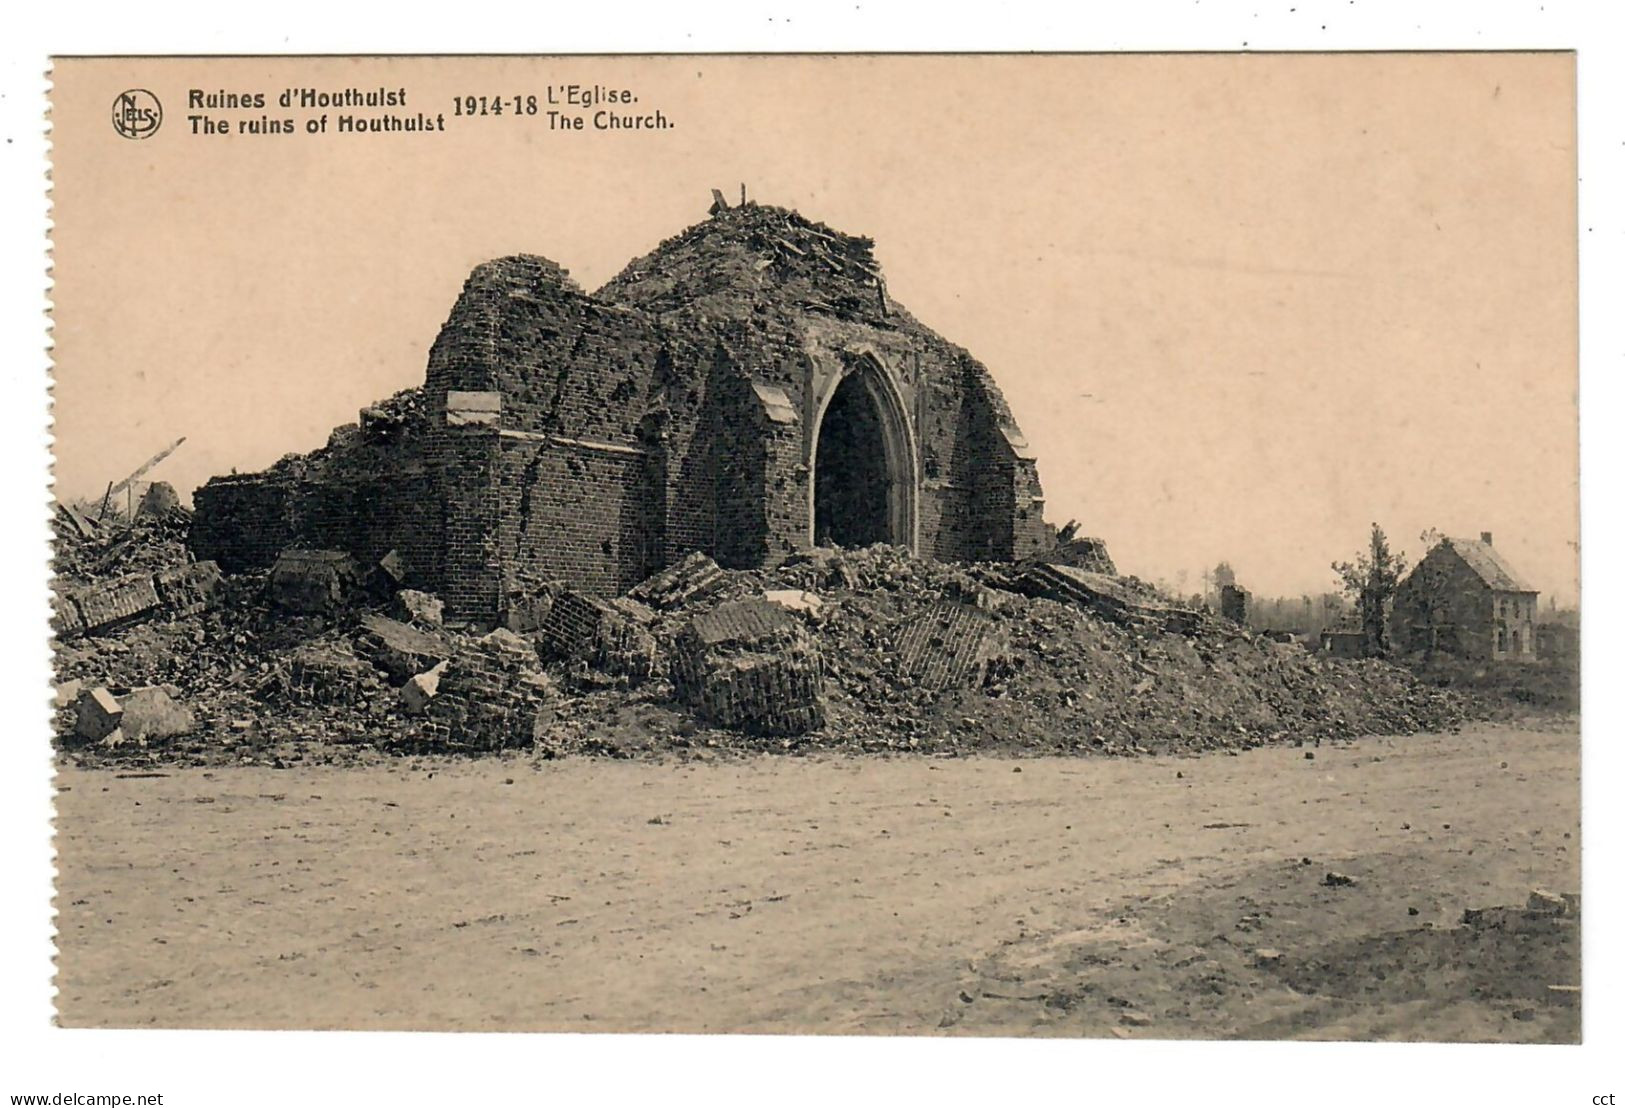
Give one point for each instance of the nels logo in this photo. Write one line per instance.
(137, 114)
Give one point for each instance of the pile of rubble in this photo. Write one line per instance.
(868, 650)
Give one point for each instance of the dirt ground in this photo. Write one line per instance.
(1143, 898)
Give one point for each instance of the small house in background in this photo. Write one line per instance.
(1343, 643)
(1464, 599)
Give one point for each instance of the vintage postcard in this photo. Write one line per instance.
(936, 545)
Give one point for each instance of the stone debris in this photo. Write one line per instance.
(527, 604)
(1543, 911)
(750, 665)
(114, 603)
(491, 695)
(98, 715)
(153, 713)
(877, 650)
(67, 693)
(398, 649)
(158, 501)
(605, 637)
(421, 608)
(89, 551)
(312, 582)
(393, 568)
(188, 590)
(831, 569)
(800, 601)
(1109, 597)
(572, 624)
(682, 392)
(421, 688)
(1335, 880)
(694, 578)
(70, 521)
(1078, 551)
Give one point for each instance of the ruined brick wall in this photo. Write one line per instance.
(368, 514)
(361, 497)
(597, 439)
(598, 421)
(242, 521)
(577, 515)
(468, 574)
(564, 362)
(980, 501)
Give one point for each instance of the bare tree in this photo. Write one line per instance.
(1370, 581)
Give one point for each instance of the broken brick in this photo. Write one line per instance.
(99, 714)
(312, 582)
(750, 665)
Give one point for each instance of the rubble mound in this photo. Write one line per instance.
(862, 650)
(89, 552)
(755, 255)
(919, 655)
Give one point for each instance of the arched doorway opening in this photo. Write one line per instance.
(863, 465)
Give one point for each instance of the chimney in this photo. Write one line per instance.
(1487, 538)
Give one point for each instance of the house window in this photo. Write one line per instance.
(1501, 640)
(1517, 643)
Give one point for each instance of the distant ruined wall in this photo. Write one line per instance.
(367, 501)
(242, 521)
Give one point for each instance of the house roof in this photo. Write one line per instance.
(1484, 560)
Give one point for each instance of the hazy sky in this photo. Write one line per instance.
(1241, 305)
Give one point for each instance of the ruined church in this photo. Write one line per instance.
(749, 389)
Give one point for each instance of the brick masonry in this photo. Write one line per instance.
(750, 665)
(492, 695)
(594, 439)
(178, 591)
(946, 646)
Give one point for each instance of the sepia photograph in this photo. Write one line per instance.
(1079, 546)
(1108, 570)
